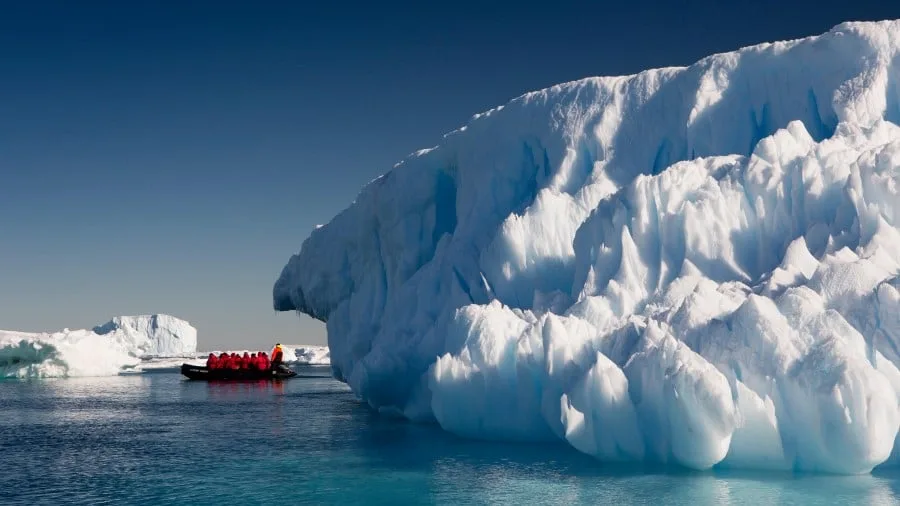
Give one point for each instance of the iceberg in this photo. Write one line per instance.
(306, 354)
(154, 335)
(696, 265)
(109, 349)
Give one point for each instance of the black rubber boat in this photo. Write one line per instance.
(199, 372)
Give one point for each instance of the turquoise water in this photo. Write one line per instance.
(156, 439)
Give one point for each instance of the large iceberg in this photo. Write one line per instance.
(698, 266)
(118, 345)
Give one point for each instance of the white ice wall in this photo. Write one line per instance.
(696, 265)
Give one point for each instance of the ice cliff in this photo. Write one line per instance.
(154, 335)
(693, 265)
(106, 350)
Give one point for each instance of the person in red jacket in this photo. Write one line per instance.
(212, 362)
(223, 361)
(245, 361)
(277, 355)
(263, 361)
(235, 362)
(254, 362)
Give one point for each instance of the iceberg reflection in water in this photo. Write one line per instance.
(158, 439)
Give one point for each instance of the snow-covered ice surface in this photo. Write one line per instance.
(119, 345)
(693, 265)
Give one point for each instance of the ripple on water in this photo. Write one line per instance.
(161, 440)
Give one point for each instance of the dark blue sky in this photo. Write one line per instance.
(170, 158)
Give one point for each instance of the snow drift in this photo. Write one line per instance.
(692, 265)
(106, 350)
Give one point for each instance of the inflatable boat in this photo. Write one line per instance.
(199, 372)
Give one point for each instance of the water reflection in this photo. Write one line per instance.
(414, 456)
(231, 390)
(161, 440)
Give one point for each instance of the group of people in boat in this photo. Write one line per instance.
(246, 362)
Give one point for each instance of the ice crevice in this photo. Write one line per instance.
(696, 265)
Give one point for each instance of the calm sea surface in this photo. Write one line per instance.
(158, 439)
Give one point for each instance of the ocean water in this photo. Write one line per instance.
(159, 439)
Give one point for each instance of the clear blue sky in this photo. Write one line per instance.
(170, 158)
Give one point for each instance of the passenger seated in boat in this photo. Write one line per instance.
(254, 362)
(263, 361)
(245, 361)
(223, 361)
(212, 362)
(235, 362)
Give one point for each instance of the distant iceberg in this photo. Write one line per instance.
(154, 335)
(305, 354)
(120, 344)
(693, 265)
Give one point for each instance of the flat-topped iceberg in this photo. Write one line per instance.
(106, 350)
(690, 265)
